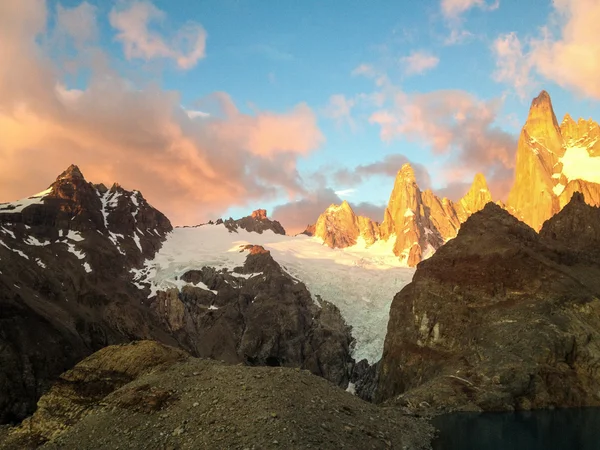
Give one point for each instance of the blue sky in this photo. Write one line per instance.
(270, 56)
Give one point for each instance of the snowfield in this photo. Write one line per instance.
(360, 281)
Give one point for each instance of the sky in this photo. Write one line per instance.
(215, 108)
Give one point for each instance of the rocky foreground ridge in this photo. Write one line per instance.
(552, 162)
(67, 290)
(151, 396)
(501, 318)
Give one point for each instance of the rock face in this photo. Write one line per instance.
(340, 227)
(257, 222)
(258, 315)
(553, 161)
(501, 318)
(549, 164)
(67, 289)
(417, 222)
(151, 395)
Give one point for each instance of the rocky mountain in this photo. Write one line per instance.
(257, 222)
(340, 227)
(148, 395)
(552, 162)
(68, 258)
(418, 223)
(501, 317)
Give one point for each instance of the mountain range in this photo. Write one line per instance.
(552, 162)
(500, 313)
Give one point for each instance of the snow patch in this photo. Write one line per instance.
(136, 238)
(558, 189)
(19, 252)
(78, 253)
(579, 165)
(409, 212)
(9, 232)
(74, 236)
(32, 240)
(20, 205)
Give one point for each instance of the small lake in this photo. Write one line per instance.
(560, 429)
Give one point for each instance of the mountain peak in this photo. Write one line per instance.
(568, 119)
(259, 214)
(543, 99)
(407, 172)
(72, 173)
(478, 196)
(479, 182)
(541, 114)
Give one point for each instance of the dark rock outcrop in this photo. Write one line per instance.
(151, 396)
(67, 289)
(258, 315)
(500, 318)
(257, 222)
(65, 286)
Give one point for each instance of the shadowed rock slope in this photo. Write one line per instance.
(501, 318)
(147, 395)
(67, 290)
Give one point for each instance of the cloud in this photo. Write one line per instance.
(454, 124)
(418, 62)
(186, 47)
(345, 192)
(78, 22)
(192, 169)
(512, 66)
(339, 109)
(296, 215)
(387, 167)
(566, 51)
(453, 11)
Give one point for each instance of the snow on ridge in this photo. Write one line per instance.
(20, 205)
(9, 232)
(17, 251)
(579, 165)
(344, 277)
(74, 236)
(32, 240)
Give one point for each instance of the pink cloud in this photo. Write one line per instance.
(296, 215)
(419, 62)
(454, 8)
(186, 47)
(78, 22)
(192, 169)
(456, 125)
(512, 66)
(567, 51)
(339, 109)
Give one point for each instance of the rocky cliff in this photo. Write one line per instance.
(340, 227)
(65, 287)
(552, 162)
(417, 222)
(501, 318)
(259, 315)
(67, 290)
(257, 222)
